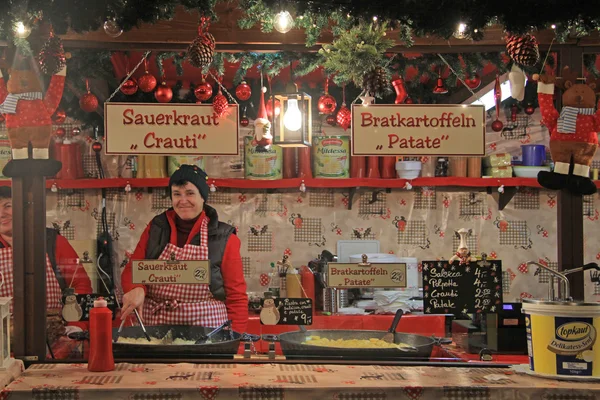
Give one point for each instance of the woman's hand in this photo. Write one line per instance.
(134, 299)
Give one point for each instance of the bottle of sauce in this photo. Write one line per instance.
(101, 352)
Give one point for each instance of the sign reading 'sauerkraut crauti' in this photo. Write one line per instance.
(170, 129)
(407, 129)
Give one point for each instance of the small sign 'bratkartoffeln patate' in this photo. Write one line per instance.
(433, 129)
(170, 129)
(150, 272)
(343, 275)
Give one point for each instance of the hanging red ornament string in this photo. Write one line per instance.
(243, 91)
(497, 125)
(400, 88)
(344, 116)
(269, 106)
(147, 82)
(220, 103)
(88, 102)
(327, 103)
(163, 93)
(130, 86)
(204, 90)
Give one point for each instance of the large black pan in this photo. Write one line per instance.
(223, 343)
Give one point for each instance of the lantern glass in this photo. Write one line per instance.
(293, 126)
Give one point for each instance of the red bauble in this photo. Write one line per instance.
(60, 132)
(147, 82)
(88, 102)
(497, 125)
(331, 120)
(59, 117)
(75, 131)
(409, 101)
(243, 91)
(130, 87)
(97, 147)
(473, 82)
(220, 104)
(163, 94)
(203, 91)
(529, 110)
(244, 121)
(344, 117)
(327, 104)
(269, 107)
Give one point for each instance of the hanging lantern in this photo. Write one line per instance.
(276, 107)
(295, 128)
(243, 91)
(439, 87)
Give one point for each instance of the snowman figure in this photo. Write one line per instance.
(72, 311)
(269, 315)
(462, 253)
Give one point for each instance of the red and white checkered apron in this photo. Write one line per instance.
(53, 292)
(184, 304)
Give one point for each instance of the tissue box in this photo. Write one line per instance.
(497, 160)
(499, 172)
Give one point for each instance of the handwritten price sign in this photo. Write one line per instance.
(148, 272)
(342, 275)
(168, 129)
(411, 129)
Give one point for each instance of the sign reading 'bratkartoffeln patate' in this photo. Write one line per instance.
(343, 275)
(407, 129)
(149, 272)
(168, 129)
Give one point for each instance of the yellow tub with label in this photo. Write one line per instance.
(561, 338)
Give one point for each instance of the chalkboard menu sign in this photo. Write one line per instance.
(456, 288)
(286, 311)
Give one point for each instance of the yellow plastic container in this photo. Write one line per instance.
(561, 338)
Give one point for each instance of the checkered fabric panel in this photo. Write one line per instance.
(515, 235)
(595, 164)
(568, 396)
(300, 367)
(365, 207)
(505, 282)
(90, 166)
(261, 393)
(425, 199)
(71, 198)
(543, 275)
(527, 199)
(111, 220)
(160, 199)
(116, 195)
(517, 129)
(415, 233)
(321, 198)
(258, 243)
(221, 196)
(362, 396)
(588, 205)
(247, 267)
(471, 393)
(310, 231)
(597, 289)
(55, 393)
(68, 232)
(472, 243)
(473, 205)
(269, 203)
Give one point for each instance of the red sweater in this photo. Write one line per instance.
(232, 269)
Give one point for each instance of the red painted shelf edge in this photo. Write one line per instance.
(295, 183)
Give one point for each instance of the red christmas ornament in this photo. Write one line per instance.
(439, 87)
(529, 110)
(203, 91)
(473, 82)
(97, 147)
(75, 131)
(269, 107)
(163, 94)
(130, 87)
(59, 117)
(60, 132)
(401, 93)
(331, 120)
(409, 101)
(147, 82)
(243, 91)
(244, 121)
(88, 102)
(497, 125)
(344, 117)
(327, 104)
(220, 104)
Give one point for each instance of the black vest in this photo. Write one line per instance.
(218, 234)
(51, 235)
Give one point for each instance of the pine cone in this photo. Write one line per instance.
(202, 50)
(523, 49)
(376, 81)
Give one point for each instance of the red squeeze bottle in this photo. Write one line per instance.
(101, 352)
(308, 283)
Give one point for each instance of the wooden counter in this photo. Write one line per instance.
(287, 381)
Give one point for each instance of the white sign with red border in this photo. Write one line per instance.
(170, 129)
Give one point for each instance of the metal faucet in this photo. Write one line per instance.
(562, 277)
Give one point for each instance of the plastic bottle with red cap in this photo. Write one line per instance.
(101, 352)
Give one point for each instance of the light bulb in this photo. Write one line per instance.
(21, 30)
(460, 32)
(283, 22)
(292, 120)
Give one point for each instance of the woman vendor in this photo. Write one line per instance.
(191, 230)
